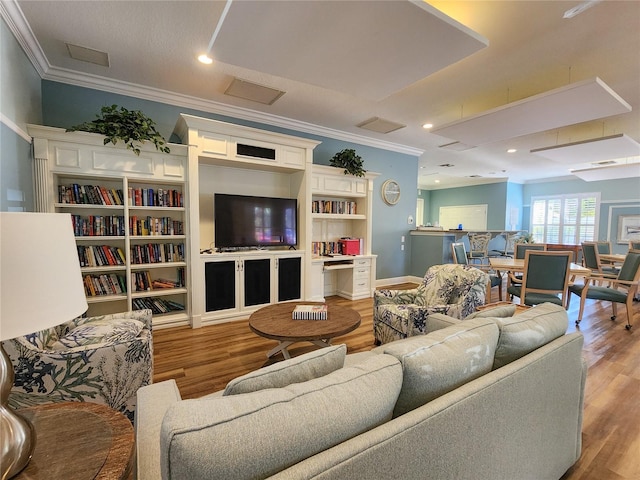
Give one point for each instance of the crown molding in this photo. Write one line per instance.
(14, 18)
(14, 127)
(17, 23)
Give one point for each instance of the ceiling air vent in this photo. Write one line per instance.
(252, 91)
(90, 55)
(380, 125)
(604, 162)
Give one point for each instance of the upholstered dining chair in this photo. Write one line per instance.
(634, 245)
(621, 289)
(519, 250)
(591, 259)
(478, 246)
(459, 254)
(545, 278)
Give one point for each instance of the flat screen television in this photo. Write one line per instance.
(246, 221)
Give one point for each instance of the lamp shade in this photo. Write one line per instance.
(41, 283)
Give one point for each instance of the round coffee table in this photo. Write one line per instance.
(275, 322)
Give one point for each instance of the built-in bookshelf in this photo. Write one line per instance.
(129, 219)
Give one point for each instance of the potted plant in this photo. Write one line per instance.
(525, 238)
(350, 161)
(127, 125)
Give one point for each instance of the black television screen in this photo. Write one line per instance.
(245, 221)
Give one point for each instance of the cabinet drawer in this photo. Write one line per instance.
(360, 285)
(361, 272)
(362, 262)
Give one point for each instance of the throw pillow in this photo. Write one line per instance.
(100, 331)
(261, 433)
(441, 361)
(294, 370)
(501, 312)
(523, 333)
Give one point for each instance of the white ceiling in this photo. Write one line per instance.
(393, 66)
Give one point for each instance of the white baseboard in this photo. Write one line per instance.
(381, 282)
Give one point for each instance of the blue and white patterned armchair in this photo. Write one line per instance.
(103, 359)
(451, 289)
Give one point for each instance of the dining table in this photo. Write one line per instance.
(612, 257)
(506, 264)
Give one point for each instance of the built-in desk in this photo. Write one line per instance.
(349, 276)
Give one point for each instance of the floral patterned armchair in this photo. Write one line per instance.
(103, 359)
(451, 289)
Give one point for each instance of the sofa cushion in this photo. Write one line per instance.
(306, 367)
(99, 331)
(495, 312)
(441, 361)
(257, 434)
(523, 333)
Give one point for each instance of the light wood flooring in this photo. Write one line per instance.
(203, 361)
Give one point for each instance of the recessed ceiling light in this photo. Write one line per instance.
(512, 150)
(427, 126)
(206, 59)
(437, 181)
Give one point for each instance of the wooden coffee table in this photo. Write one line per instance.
(275, 322)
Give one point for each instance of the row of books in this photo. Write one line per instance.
(98, 225)
(89, 195)
(155, 226)
(100, 255)
(104, 284)
(157, 253)
(148, 197)
(334, 206)
(326, 248)
(309, 312)
(142, 281)
(157, 305)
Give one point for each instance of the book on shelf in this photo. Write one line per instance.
(309, 312)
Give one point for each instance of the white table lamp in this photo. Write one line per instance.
(40, 287)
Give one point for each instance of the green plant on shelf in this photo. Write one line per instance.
(350, 161)
(130, 126)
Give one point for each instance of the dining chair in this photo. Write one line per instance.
(634, 244)
(509, 245)
(519, 250)
(621, 289)
(591, 260)
(545, 278)
(479, 246)
(459, 254)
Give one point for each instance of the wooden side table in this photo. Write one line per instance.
(79, 440)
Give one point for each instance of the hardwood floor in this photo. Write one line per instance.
(203, 361)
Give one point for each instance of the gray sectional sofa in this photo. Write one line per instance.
(491, 397)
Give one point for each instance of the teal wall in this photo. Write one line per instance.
(67, 105)
(494, 195)
(20, 103)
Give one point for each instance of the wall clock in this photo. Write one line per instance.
(390, 192)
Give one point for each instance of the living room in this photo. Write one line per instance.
(35, 99)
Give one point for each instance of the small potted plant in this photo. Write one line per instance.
(350, 161)
(127, 125)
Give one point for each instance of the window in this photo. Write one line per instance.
(568, 219)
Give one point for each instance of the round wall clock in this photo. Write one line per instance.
(390, 192)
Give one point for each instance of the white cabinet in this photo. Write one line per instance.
(234, 159)
(341, 208)
(238, 284)
(130, 219)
